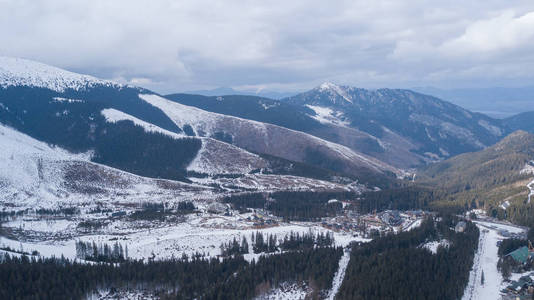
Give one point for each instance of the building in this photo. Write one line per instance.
(520, 255)
(460, 227)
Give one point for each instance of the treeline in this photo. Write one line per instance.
(405, 198)
(397, 267)
(292, 205)
(157, 211)
(101, 252)
(186, 278)
(269, 243)
(307, 206)
(296, 241)
(80, 127)
(316, 267)
(243, 201)
(233, 247)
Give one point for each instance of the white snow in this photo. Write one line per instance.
(286, 291)
(486, 259)
(528, 168)
(531, 188)
(23, 72)
(182, 115)
(32, 175)
(113, 116)
(216, 157)
(340, 274)
(434, 245)
(23, 173)
(209, 123)
(333, 88)
(413, 225)
(202, 234)
(61, 99)
(327, 115)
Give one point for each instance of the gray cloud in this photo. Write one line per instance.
(287, 45)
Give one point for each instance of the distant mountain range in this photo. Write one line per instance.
(331, 137)
(496, 102)
(225, 91)
(135, 131)
(401, 127)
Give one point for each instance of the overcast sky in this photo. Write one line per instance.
(285, 45)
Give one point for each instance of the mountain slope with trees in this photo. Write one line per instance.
(487, 178)
(438, 128)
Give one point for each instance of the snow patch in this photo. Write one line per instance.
(327, 115)
(114, 116)
(216, 157)
(434, 245)
(285, 291)
(61, 99)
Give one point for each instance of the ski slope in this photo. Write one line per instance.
(486, 259)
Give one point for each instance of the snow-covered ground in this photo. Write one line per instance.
(214, 157)
(202, 234)
(327, 115)
(486, 260)
(413, 225)
(531, 188)
(23, 72)
(340, 274)
(257, 136)
(285, 292)
(434, 245)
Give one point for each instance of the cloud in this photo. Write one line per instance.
(495, 36)
(190, 44)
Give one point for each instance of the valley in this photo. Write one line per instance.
(266, 199)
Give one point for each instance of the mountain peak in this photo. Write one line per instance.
(328, 85)
(335, 91)
(24, 72)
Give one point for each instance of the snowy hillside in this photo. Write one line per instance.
(22, 72)
(214, 157)
(261, 137)
(33, 174)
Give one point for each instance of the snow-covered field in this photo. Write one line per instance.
(203, 234)
(486, 261)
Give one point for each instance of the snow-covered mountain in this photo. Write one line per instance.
(435, 128)
(267, 138)
(102, 127)
(321, 122)
(34, 174)
(23, 72)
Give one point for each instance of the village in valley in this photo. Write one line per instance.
(151, 233)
